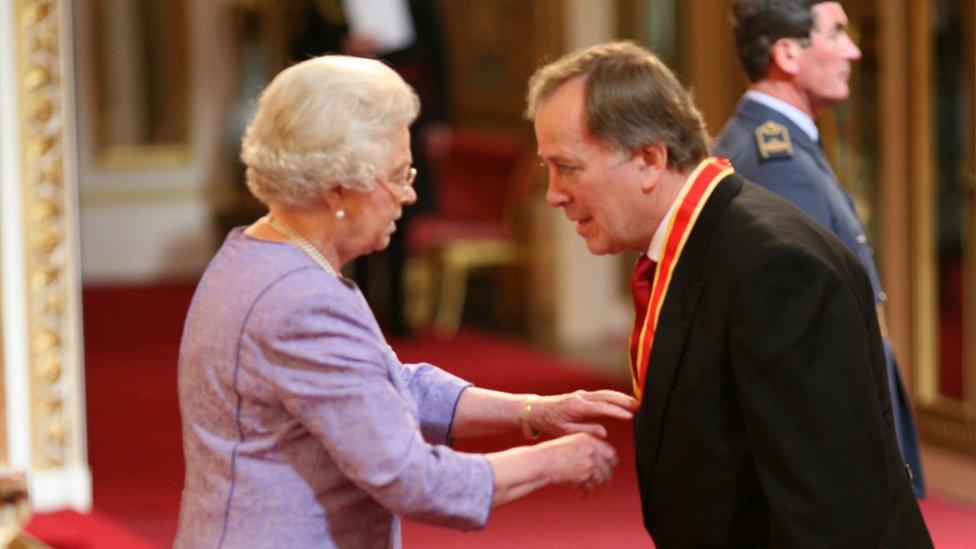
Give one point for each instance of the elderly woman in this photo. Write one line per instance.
(301, 427)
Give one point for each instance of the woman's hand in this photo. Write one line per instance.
(573, 412)
(579, 461)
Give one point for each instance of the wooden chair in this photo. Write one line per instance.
(473, 225)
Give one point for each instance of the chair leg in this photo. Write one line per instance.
(419, 292)
(454, 282)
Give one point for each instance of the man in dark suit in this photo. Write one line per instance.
(798, 57)
(765, 417)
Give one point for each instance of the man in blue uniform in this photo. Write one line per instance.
(798, 55)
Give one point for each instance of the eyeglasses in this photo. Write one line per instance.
(405, 181)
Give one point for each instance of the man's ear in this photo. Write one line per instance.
(785, 56)
(653, 163)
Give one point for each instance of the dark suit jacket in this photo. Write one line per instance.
(766, 419)
(805, 179)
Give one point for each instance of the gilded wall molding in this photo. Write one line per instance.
(4, 432)
(48, 249)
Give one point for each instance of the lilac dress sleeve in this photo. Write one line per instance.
(436, 393)
(332, 370)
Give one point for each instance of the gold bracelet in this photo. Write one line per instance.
(527, 431)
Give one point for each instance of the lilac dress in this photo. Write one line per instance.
(301, 428)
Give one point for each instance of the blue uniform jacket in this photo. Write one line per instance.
(767, 148)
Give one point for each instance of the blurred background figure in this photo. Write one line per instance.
(799, 58)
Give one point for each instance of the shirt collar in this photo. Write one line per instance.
(798, 117)
(656, 250)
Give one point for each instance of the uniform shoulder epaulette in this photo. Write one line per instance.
(773, 141)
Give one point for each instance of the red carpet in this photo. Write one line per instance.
(131, 344)
(70, 530)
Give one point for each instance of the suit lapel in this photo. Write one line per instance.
(678, 311)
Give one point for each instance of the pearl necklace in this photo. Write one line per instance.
(303, 244)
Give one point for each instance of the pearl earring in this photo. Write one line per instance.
(340, 214)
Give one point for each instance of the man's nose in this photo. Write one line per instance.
(854, 53)
(554, 197)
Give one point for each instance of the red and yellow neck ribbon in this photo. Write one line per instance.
(692, 198)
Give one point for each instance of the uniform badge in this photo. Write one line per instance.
(773, 141)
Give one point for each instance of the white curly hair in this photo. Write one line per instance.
(324, 123)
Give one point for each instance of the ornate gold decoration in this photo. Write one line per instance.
(47, 248)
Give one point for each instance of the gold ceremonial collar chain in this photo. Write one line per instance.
(303, 244)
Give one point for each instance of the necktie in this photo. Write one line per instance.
(640, 284)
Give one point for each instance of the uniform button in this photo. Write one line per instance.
(882, 297)
(861, 239)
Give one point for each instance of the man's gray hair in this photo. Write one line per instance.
(632, 100)
(323, 123)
